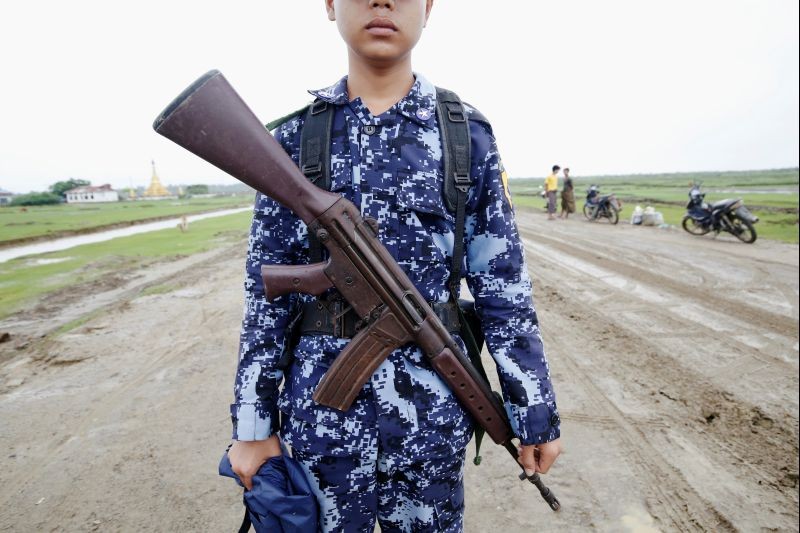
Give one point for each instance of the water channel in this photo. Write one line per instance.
(68, 242)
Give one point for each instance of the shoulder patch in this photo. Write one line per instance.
(278, 121)
(504, 179)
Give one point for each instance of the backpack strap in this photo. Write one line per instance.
(456, 143)
(456, 151)
(315, 156)
(278, 121)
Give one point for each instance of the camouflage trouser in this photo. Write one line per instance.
(405, 496)
(395, 456)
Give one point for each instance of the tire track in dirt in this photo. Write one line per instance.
(112, 400)
(780, 324)
(33, 330)
(685, 402)
(690, 301)
(123, 394)
(669, 497)
(41, 352)
(686, 510)
(626, 297)
(733, 427)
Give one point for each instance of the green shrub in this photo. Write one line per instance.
(36, 198)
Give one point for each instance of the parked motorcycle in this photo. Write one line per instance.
(598, 206)
(726, 215)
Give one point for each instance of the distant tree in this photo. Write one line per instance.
(60, 187)
(36, 198)
(197, 189)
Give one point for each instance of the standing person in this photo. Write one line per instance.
(567, 196)
(550, 189)
(397, 454)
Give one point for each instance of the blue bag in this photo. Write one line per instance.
(281, 499)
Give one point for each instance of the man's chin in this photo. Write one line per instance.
(382, 55)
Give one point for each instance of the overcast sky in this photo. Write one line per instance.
(612, 86)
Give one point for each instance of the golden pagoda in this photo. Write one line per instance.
(155, 189)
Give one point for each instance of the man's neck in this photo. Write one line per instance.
(379, 87)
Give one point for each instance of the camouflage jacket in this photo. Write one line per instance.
(393, 172)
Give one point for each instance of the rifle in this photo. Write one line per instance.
(212, 121)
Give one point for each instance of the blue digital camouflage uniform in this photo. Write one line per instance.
(398, 452)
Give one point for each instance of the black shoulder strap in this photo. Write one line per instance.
(456, 144)
(278, 121)
(315, 156)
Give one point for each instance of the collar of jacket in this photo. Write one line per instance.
(418, 105)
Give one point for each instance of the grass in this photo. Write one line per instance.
(163, 288)
(39, 221)
(78, 322)
(25, 279)
(771, 194)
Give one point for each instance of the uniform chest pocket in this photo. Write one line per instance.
(424, 225)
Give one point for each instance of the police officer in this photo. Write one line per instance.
(398, 453)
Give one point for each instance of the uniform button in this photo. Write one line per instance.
(554, 420)
(369, 129)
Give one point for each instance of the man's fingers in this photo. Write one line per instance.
(247, 457)
(245, 477)
(548, 453)
(545, 462)
(527, 458)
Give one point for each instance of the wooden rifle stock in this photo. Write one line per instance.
(212, 121)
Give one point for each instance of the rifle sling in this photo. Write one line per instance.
(315, 157)
(457, 161)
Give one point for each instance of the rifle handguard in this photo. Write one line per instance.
(470, 391)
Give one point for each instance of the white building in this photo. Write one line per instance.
(5, 196)
(103, 193)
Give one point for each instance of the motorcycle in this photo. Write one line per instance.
(726, 215)
(597, 206)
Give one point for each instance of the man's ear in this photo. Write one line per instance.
(331, 11)
(428, 7)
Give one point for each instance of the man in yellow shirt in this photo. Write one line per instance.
(550, 189)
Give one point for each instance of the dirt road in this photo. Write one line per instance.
(675, 362)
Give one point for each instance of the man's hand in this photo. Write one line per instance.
(539, 457)
(247, 457)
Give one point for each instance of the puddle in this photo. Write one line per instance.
(703, 317)
(639, 521)
(596, 272)
(51, 261)
(752, 341)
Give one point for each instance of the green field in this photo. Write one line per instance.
(38, 221)
(770, 194)
(24, 279)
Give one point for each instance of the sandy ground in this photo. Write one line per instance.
(675, 362)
